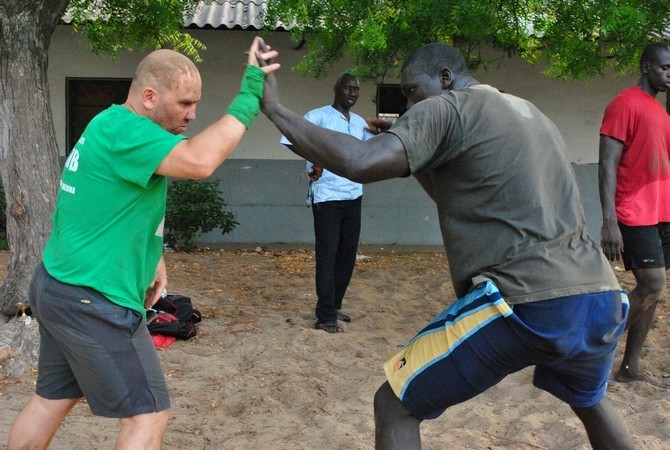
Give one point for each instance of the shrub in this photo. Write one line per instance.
(194, 207)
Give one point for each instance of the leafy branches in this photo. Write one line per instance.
(113, 26)
(575, 38)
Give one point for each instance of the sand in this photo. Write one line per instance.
(259, 376)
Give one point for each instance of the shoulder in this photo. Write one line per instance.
(319, 116)
(475, 95)
(626, 102)
(443, 103)
(629, 96)
(113, 119)
(323, 111)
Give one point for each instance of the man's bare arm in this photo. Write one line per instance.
(199, 156)
(610, 236)
(379, 158)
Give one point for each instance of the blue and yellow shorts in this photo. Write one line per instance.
(480, 339)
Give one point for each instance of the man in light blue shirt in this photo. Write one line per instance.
(336, 206)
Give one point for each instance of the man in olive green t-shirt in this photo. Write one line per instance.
(534, 288)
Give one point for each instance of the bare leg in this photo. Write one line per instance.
(604, 427)
(143, 432)
(395, 427)
(38, 422)
(643, 301)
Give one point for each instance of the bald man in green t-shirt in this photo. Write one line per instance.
(103, 265)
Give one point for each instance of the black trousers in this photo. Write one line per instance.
(337, 227)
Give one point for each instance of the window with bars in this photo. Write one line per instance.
(390, 102)
(86, 97)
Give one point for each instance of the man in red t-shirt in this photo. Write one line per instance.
(634, 178)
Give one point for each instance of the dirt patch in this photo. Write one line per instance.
(259, 375)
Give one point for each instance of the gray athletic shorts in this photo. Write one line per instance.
(93, 348)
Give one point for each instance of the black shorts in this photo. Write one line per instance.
(646, 247)
(93, 348)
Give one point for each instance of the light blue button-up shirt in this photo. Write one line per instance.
(331, 187)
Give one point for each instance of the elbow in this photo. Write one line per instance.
(363, 178)
(362, 174)
(370, 170)
(358, 177)
(200, 172)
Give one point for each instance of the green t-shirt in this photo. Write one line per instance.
(508, 202)
(108, 223)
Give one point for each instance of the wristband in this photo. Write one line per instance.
(247, 104)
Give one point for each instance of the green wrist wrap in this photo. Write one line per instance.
(246, 105)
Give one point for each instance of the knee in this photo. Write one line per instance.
(651, 283)
(143, 430)
(379, 401)
(604, 426)
(149, 421)
(649, 293)
(655, 288)
(387, 406)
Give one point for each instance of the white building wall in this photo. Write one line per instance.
(575, 106)
(268, 198)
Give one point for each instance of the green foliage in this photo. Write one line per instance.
(3, 219)
(575, 38)
(194, 207)
(113, 26)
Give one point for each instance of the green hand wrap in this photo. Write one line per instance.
(246, 105)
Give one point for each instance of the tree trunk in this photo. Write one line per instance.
(29, 163)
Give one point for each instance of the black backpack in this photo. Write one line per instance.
(179, 306)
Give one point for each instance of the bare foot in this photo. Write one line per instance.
(626, 375)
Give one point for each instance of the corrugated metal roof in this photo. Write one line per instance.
(233, 14)
(230, 14)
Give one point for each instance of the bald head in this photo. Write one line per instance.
(165, 88)
(162, 69)
(431, 58)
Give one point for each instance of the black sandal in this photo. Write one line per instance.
(343, 317)
(329, 327)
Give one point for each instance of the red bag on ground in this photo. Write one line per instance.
(162, 341)
(176, 318)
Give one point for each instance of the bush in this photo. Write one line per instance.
(194, 207)
(3, 219)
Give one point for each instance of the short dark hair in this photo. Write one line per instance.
(431, 58)
(653, 51)
(344, 76)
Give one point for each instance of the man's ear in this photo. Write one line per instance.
(149, 98)
(446, 78)
(644, 66)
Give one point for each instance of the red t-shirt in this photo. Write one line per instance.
(643, 175)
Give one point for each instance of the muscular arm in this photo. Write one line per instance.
(610, 153)
(199, 156)
(379, 158)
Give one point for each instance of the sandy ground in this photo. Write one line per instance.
(260, 376)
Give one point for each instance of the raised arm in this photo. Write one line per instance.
(199, 156)
(379, 158)
(610, 236)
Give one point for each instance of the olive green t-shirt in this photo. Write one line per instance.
(108, 223)
(507, 199)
